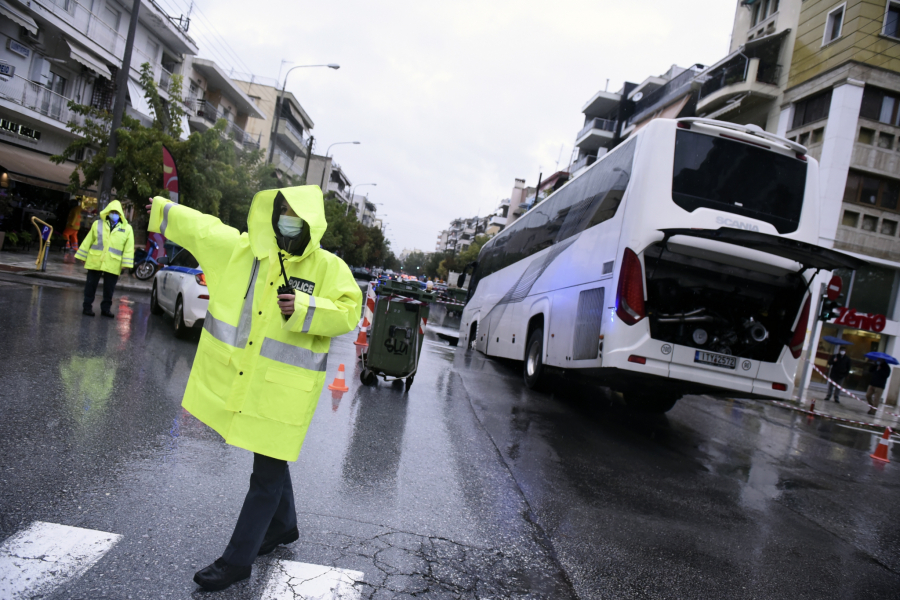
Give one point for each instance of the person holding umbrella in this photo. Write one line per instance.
(879, 373)
(840, 368)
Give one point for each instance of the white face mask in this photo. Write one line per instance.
(843, 352)
(290, 226)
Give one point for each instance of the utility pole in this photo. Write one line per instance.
(308, 157)
(118, 109)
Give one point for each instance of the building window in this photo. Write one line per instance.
(812, 109)
(850, 219)
(888, 227)
(763, 10)
(880, 105)
(833, 25)
(871, 190)
(892, 20)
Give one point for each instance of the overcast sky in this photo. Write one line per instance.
(454, 100)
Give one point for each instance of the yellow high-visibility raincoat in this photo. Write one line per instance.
(257, 378)
(105, 248)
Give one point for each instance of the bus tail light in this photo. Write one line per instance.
(201, 278)
(799, 336)
(630, 293)
(203, 296)
(781, 387)
(641, 360)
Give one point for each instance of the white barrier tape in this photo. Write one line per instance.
(816, 413)
(849, 393)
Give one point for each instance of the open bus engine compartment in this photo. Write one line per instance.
(708, 305)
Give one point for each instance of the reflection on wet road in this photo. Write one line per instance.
(469, 486)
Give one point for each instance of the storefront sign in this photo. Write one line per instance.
(22, 130)
(851, 318)
(20, 49)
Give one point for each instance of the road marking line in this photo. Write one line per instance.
(289, 580)
(37, 560)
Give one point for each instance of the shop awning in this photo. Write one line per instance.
(17, 16)
(92, 62)
(138, 101)
(36, 169)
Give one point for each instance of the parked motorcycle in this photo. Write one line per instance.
(145, 266)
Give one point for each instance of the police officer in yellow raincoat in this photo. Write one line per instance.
(106, 250)
(260, 365)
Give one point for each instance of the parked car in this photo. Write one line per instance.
(179, 290)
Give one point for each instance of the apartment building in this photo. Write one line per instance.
(210, 94)
(461, 233)
(55, 51)
(292, 140)
(747, 85)
(841, 101)
(610, 118)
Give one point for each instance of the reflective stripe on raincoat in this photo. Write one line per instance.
(257, 378)
(105, 248)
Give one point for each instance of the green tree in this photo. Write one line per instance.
(415, 263)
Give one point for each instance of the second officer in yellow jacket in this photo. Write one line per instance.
(107, 249)
(260, 364)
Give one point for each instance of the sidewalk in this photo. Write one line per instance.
(62, 267)
(851, 409)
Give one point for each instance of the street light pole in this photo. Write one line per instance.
(280, 101)
(112, 146)
(353, 196)
(322, 183)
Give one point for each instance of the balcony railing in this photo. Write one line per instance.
(584, 161)
(602, 124)
(209, 112)
(249, 142)
(39, 99)
(674, 88)
(736, 71)
(298, 134)
(239, 134)
(165, 79)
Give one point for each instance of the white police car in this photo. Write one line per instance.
(179, 290)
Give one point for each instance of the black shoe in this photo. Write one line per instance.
(88, 311)
(220, 575)
(269, 544)
(106, 313)
(837, 401)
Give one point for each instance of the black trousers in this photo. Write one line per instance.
(268, 510)
(90, 289)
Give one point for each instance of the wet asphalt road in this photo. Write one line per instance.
(469, 486)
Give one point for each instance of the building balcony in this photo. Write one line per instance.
(291, 137)
(584, 161)
(37, 102)
(675, 88)
(497, 220)
(282, 161)
(742, 81)
(597, 133)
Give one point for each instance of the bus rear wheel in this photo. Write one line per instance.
(533, 370)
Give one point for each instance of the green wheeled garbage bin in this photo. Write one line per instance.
(396, 333)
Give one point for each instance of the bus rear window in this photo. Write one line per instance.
(721, 174)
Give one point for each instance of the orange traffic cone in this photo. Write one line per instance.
(362, 339)
(881, 452)
(339, 384)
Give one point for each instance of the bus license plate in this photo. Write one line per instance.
(716, 360)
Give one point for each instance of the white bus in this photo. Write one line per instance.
(680, 262)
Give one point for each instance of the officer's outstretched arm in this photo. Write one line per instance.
(334, 312)
(205, 236)
(89, 240)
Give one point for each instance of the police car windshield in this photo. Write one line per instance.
(736, 177)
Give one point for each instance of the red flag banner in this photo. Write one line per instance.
(170, 174)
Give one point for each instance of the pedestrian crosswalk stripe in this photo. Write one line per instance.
(37, 560)
(289, 580)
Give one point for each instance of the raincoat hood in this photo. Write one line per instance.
(114, 206)
(305, 200)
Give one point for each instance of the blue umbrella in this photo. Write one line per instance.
(836, 341)
(885, 357)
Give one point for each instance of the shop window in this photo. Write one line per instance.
(880, 105)
(866, 136)
(861, 342)
(872, 291)
(885, 140)
(812, 109)
(870, 190)
(870, 223)
(888, 227)
(850, 219)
